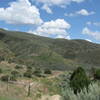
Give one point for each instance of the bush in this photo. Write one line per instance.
(1, 58)
(47, 71)
(97, 74)
(29, 67)
(38, 72)
(1, 70)
(79, 80)
(15, 73)
(28, 73)
(12, 78)
(5, 78)
(18, 67)
(93, 94)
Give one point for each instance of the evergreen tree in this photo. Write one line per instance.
(79, 80)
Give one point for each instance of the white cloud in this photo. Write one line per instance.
(78, 1)
(55, 29)
(82, 12)
(94, 34)
(89, 40)
(48, 10)
(62, 36)
(93, 23)
(20, 12)
(60, 3)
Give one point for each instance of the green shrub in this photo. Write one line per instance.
(18, 67)
(29, 67)
(38, 72)
(79, 80)
(1, 70)
(13, 78)
(47, 71)
(96, 74)
(28, 73)
(92, 94)
(5, 78)
(1, 58)
(15, 73)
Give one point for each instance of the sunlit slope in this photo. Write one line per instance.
(38, 51)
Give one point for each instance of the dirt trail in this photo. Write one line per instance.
(55, 74)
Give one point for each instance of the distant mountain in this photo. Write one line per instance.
(37, 51)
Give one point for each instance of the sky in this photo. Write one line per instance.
(69, 19)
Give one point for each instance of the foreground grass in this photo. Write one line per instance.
(41, 87)
(46, 88)
(92, 94)
(8, 98)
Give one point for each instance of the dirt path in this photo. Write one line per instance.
(55, 74)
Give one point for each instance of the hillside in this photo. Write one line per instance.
(37, 51)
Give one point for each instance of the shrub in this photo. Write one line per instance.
(29, 67)
(18, 67)
(37, 72)
(1, 58)
(28, 73)
(93, 94)
(15, 73)
(79, 80)
(12, 78)
(47, 71)
(5, 78)
(1, 70)
(96, 74)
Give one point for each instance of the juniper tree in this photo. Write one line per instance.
(79, 80)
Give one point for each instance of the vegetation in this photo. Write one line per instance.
(93, 94)
(1, 70)
(96, 73)
(79, 80)
(18, 67)
(76, 86)
(5, 78)
(47, 71)
(15, 74)
(38, 72)
(30, 70)
(56, 54)
(28, 73)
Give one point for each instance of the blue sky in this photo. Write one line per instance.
(70, 19)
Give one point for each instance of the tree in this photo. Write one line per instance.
(79, 80)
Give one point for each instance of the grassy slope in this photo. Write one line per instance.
(39, 51)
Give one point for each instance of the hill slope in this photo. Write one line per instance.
(38, 51)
